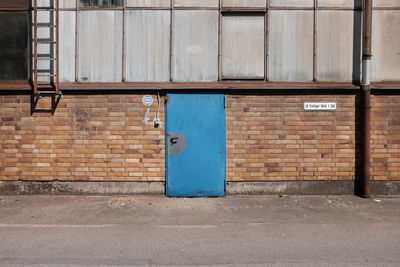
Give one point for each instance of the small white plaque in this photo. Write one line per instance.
(320, 106)
(147, 100)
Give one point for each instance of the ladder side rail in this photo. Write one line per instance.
(57, 57)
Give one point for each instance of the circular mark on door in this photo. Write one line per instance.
(176, 143)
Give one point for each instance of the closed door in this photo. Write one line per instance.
(196, 145)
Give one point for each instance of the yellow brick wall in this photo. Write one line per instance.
(269, 138)
(273, 138)
(90, 137)
(385, 137)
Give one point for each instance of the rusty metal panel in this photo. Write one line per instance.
(386, 3)
(195, 45)
(243, 45)
(148, 3)
(337, 3)
(196, 3)
(244, 3)
(101, 3)
(100, 46)
(291, 3)
(290, 56)
(147, 49)
(334, 45)
(14, 4)
(67, 45)
(386, 45)
(14, 43)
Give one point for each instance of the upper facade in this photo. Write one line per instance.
(204, 40)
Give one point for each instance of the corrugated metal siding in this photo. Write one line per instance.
(100, 46)
(147, 49)
(244, 3)
(336, 3)
(195, 45)
(290, 55)
(148, 3)
(386, 3)
(67, 45)
(386, 45)
(334, 45)
(291, 3)
(196, 3)
(243, 45)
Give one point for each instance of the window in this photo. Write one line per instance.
(243, 45)
(101, 3)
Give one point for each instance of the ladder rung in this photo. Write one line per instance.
(47, 92)
(46, 8)
(46, 75)
(46, 42)
(45, 26)
(43, 58)
(45, 86)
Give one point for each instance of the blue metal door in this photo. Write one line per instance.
(196, 146)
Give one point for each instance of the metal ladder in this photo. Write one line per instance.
(46, 80)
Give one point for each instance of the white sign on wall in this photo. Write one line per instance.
(147, 100)
(319, 106)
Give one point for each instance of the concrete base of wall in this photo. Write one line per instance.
(158, 188)
(84, 188)
(309, 188)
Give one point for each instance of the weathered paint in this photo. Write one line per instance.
(243, 45)
(244, 3)
(100, 46)
(195, 45)
(148, 3)
(386, 3)
(147, 49)
(290, 56)
(67, 45)
(386, 45)
(291, 3)
(196, 3)
(334, 45)
(199, 170)
(14, 50)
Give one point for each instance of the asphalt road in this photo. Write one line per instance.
(231, 231)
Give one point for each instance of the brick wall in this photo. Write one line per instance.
(273, 138)
(385, 139)
(102, 137)
(90, 137)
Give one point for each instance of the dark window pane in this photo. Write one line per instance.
(14, 45)
(100, 3)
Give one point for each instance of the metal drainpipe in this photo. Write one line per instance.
(365, 188)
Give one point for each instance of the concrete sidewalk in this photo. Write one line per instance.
(231, 231)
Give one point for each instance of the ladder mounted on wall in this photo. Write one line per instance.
(46, 49)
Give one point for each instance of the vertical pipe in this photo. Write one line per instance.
(365, 188)
(35, 48)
